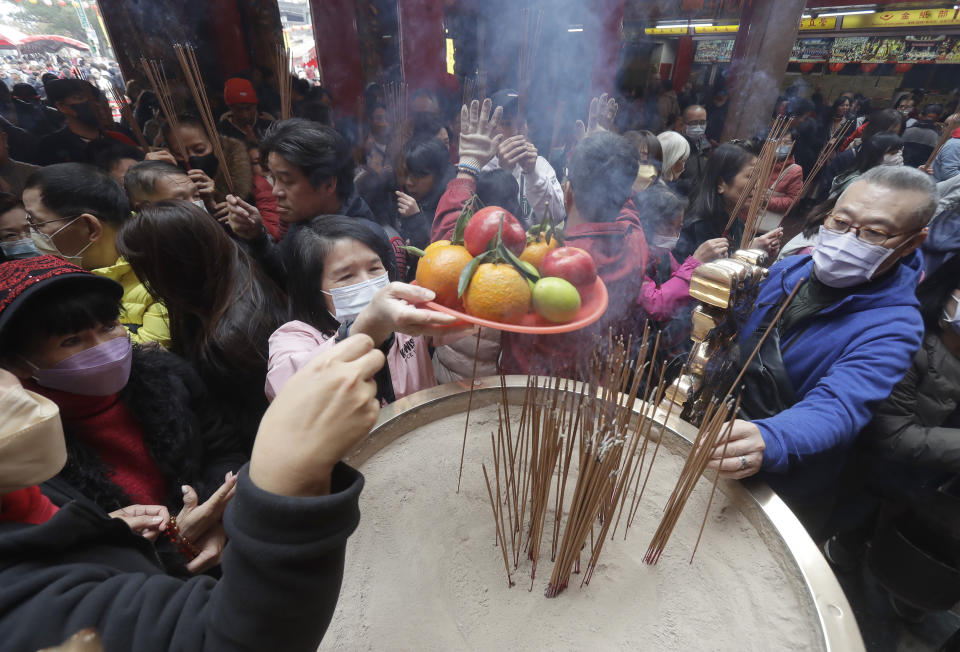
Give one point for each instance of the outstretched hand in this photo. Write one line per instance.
(600, 117)
(394, 309)
(478, 145)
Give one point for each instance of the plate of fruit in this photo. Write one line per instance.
(492, 273)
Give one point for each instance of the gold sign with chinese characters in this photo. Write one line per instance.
(903, 18)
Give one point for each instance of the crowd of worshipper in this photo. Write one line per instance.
(187, 352)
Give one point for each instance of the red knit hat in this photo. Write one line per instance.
(21, 278)
(239, 91)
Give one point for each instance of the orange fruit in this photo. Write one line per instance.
(439, 270)
(497, 292)
(438, 243)
(535, 251)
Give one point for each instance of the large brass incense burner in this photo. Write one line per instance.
(726, 291)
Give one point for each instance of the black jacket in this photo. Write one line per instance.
(281, 577)
(909, 427)
(269, 253)
(689, 180)
(184, 434)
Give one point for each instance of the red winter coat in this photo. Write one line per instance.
(787, 188)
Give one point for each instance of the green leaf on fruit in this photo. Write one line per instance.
(415, 251)
(469, 208)
(467, 274)
(511, 258)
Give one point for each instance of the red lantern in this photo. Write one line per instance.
(837, 66)
(903, 67)
(807, 67)
(868, 67)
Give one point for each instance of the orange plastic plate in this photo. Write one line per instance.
(593, 304)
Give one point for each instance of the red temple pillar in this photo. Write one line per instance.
(759, 62)
(338, 51)
(422, 39)
(232, 53)
(684, 62)
(608, 39)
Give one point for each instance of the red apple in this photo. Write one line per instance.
(483, 227)
(570, 263)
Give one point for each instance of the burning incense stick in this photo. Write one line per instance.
(281, 65)
(466, 425)
(191, 72)
(121, 101)
(161, 89)
(825, 155)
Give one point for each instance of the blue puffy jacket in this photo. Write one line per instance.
(841, 363)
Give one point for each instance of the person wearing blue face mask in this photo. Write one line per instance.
(340, 285)
(15, 241)
(840, 346)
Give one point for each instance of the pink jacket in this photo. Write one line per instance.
(785, 189)
(662, 303)
(295, 344)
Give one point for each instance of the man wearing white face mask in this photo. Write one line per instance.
(695, 127)
(841, 345)
(74, 212)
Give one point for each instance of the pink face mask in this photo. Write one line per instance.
(101, 370)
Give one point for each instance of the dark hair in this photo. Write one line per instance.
(301, 86)
(426, 156)
(935, 291)
(724, 164)
(106, 153)
(657, 205)
(304, 259)
(800, 106)
(499, 188)
(222, 308)
(65, 307)
(426, 125)
(639, 138)
(837, 103)
(902, 97)
(602, 171)
(880, 121)
(318, 150)
(935, 109)
(74, 188)
(9, 201)
(141, 179)
(872, 150)
(185, 120)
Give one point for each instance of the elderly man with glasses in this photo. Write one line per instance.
(840, 346)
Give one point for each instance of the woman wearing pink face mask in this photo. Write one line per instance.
(139, 438)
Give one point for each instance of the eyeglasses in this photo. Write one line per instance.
(868, 234)
(34, 223)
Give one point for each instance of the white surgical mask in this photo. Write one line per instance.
(893, 159)
(695, 131)
(842, 260)
(664, 241)
(783, 151)
(46, 245)
(349, 300)
(32, 447)
(905, 112)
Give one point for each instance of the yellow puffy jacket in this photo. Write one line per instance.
(144, 316)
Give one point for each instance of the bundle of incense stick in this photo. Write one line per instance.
(121, 101)
(191, 72)
(756, 181)
(161, 88)
(701, 452)
(594, 430)
(764, 169)
(395, 96)
(529, 48)
(281, 65)
(839, 135)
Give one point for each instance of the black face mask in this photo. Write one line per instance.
(209, 164)
(85, 114)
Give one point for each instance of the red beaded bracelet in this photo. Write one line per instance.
(181, 542)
